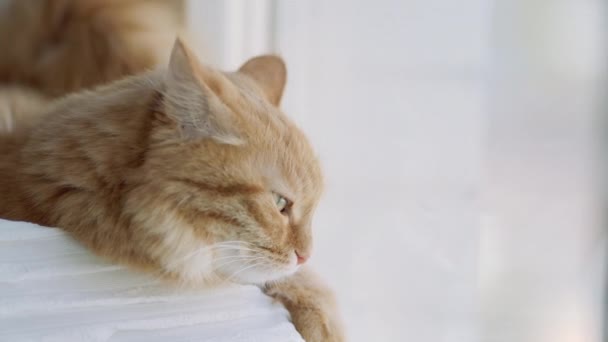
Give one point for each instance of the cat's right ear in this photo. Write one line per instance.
(191, 99)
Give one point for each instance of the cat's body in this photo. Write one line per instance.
(60, 46)
(20, 106)
(183, 171)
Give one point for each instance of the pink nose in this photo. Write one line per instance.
(301, 259)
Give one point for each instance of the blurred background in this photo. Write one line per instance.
(462, 146)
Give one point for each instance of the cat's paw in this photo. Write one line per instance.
(311, 304)
(317, 325)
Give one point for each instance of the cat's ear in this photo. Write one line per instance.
(270, 73)
(191, 98)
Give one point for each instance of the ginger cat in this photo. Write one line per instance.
(186, 171)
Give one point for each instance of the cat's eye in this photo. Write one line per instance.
(282, 203)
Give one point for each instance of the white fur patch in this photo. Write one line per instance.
(182, 252)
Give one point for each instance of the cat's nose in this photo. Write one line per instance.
(301, 258)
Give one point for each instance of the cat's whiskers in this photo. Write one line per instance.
(263, 262)
(241, 242)
(187, 257)
(210, 248)
(242, 247)
(170, 269)
(234, 248)
(246, 260)
(235, 244)
(235, 257)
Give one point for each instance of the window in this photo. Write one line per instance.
(459, 143)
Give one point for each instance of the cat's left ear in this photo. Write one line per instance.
(270, 73)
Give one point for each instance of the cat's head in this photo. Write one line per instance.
(231, 183)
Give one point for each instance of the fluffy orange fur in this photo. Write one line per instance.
(180, 171)
(19, 106)
(61, 46)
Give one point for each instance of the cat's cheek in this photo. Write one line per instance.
(179, 251)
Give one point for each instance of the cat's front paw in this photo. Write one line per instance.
(312, 306)
(317, 325)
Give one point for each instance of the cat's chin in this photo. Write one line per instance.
(254, 268)
(263, 279)
(218, 279)
(260, 277)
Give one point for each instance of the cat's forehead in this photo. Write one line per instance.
(248, 89)
(259, 117)
(285, 154)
